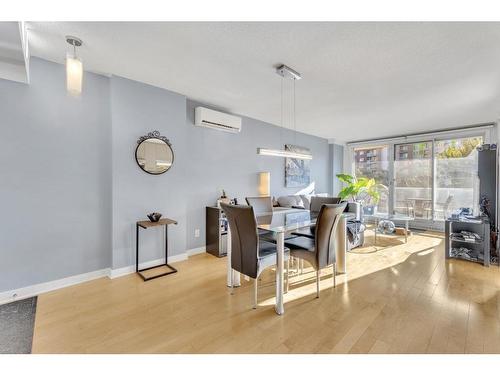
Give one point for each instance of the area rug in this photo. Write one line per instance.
(17, 321)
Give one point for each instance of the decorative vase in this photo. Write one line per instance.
(154, 216)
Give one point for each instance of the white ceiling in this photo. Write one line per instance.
(360, 80)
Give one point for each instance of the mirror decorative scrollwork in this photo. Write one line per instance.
(154, 153)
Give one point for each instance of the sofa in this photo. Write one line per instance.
(355, 225)
(297, 201)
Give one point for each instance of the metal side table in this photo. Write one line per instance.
(145, 224)
(391, 217)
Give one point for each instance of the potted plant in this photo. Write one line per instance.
(361, 191)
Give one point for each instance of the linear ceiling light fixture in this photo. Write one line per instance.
(283, 153)
(286, 73)
(74, 68)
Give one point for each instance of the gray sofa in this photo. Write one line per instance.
(355, 225)
(296, 201)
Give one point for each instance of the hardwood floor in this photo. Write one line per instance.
(401, 298)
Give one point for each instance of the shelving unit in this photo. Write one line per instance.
(216, 232)
(478, 251)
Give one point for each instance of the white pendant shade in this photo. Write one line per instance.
(283, 153)
(74, 75)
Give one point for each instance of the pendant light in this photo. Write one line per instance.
(286, 73)
(74, 68)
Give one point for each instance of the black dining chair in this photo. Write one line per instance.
(314, 207)
(262, 205)
(319, 251)
(249, 255)
(317, 202)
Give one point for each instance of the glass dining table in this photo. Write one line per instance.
(281, 222)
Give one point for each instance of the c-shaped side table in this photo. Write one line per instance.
(145, 224)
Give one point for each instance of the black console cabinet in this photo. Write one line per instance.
(216, 232)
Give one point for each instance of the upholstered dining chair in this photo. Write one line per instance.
(249, 255)
(260, 204)
(320, 250)
(314, 207)
(263, 205)
(316, 203)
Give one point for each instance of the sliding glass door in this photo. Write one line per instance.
(427, 179)
(413, 179)
(373, 162)
(456, 183)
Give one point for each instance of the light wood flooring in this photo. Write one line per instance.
(397, 298)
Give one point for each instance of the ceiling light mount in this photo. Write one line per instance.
(287, 72)
(74, 41)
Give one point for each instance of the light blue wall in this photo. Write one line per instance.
(55, 178)
(230, 161)
(336, 166)
(71, 190)
(137, 109)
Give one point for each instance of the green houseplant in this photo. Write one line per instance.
(361, 190)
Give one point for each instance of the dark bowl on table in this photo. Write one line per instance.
(154, 217)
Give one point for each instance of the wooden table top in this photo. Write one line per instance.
(149, 223)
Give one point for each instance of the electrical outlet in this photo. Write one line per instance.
(197, 233)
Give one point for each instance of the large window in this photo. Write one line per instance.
(427, 179)
(373, 162)
(456, 175)
(413, 179)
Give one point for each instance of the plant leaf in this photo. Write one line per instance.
(345, 178)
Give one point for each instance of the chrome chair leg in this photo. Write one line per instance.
(317, 283)
(255, 287)
(335, 274)
(232, 282)
(287, 275)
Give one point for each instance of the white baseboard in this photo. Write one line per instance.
(34, 290)
(195, 251)
(118, 272)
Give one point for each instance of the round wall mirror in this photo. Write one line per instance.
(154, 153)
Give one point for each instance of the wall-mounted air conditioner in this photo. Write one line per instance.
(209, 118)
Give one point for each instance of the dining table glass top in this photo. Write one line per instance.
(281, 221)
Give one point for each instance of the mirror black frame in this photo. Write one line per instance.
(156, 135)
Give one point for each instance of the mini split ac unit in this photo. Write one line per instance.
(209, 118)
